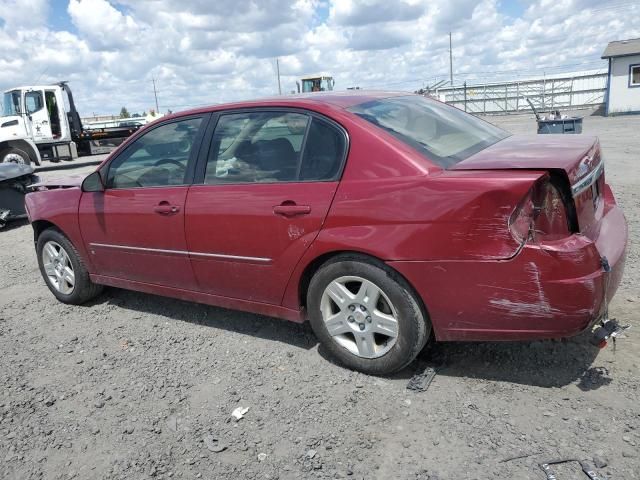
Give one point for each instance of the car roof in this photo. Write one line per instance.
(313, 101)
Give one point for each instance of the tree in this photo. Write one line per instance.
(124, 113)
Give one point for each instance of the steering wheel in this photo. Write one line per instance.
(166, 161)
(127, 178)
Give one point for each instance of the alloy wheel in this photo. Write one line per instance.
(359, 316)
(58, 267)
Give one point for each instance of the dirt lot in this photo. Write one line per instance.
(138, 386)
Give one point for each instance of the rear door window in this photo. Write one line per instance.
(269, 147)
(257, 147)
(324, 152)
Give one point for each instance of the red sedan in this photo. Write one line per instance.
(382, 218)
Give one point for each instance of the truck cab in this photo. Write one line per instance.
(35, 125)
(316, 83)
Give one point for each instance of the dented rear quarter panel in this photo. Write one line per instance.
(445, 215)
(418, 212)
(548, 290)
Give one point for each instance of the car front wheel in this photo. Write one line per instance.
(63, 270)
(366, 315)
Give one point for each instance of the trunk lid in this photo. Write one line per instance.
(576, 157)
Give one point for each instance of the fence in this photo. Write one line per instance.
(576, 91)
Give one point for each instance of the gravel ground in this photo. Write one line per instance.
(138, 386)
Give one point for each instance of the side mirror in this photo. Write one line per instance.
(93, 183)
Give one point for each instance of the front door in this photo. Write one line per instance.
(38, 122)
(134, 229)
(269, 182)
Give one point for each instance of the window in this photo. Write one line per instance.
(12, 103)
(33, 102)
(52, 108)
(256, 147)
(444, 134)
(158, 158)
(323, 152)
(634, 75)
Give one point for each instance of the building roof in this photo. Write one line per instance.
(622, 48)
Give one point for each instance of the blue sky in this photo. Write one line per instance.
(512, 8)
(201, 52)
(59, 18)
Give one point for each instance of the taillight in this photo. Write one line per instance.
(542, 215)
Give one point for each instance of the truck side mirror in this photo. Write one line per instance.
(93, 183)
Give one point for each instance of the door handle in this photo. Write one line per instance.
(164, 208)
(291, 209)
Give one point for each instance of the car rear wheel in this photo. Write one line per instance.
(366, 315)
(63, 270)
(15, 155)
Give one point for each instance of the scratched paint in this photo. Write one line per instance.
(294, 231)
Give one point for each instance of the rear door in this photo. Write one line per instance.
(134, 229)
(266, 185)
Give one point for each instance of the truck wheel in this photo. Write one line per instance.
(62, 269)
(14, 155)
(366, 315)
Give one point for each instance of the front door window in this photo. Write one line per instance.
(156, 159)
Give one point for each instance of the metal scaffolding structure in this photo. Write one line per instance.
(575, 91)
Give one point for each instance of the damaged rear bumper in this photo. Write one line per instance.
(551, 290)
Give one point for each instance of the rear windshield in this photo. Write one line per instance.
(444, 134)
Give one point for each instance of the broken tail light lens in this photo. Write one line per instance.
(542, 215)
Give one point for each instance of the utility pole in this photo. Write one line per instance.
(278, 72)
(450, 61)
(155, 94)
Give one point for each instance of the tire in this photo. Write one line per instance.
(15, 155)
(376, 323)
(55, 269)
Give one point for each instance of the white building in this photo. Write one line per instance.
(623, 86)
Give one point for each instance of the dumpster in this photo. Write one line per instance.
(560, 125)
(554, 122)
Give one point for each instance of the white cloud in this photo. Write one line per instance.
(104, 26)
(203, 52)
(23, 13)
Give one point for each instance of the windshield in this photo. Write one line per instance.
(11, 103)
(322, 84)
(444, 134)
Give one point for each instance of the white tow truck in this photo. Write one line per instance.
(41, 122)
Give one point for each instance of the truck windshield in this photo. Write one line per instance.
(443, 134)
(11, 103)
(320, 84)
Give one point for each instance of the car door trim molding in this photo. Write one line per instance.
(183, 252)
